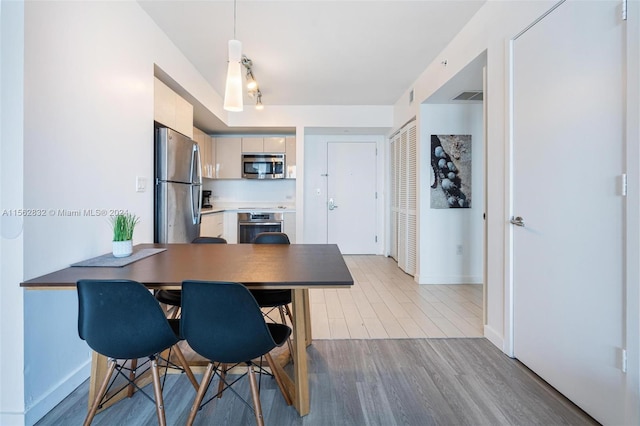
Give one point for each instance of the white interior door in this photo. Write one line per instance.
(568, 258)
(351, 196)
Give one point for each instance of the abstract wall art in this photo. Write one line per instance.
(450, 171)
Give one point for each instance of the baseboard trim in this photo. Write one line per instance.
(494, 337)
(454, 279)
(13, 419)
(58, 393)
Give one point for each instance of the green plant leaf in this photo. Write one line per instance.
(123, 226)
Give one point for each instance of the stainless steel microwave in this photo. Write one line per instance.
(263, 166)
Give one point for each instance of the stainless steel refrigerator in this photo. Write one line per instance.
(178, 187)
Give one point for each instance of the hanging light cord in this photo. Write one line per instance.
(234, 19)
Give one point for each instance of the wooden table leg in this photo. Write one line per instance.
(98, 371)
(307, 317)
(301, 375)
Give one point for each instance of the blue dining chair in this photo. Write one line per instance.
(173, 298)
(233, 332)
(275, 299)
(120, 319)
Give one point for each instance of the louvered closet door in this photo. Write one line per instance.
(404, 198)
(393, 238)
(402, 202)
(412, 223)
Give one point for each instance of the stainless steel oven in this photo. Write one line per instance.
(253, 223)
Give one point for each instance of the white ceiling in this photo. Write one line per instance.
(316, 52)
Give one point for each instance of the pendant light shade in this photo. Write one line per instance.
(233, 88)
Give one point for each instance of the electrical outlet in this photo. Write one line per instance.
(317, 191)
(459, 249)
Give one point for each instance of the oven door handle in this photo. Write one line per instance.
(259, 223)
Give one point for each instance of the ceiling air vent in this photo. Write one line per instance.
(471, 95)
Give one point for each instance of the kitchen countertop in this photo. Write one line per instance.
(249, 207)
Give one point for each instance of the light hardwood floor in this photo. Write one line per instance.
(386, 303)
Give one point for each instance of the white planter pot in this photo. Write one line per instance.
(122, 248)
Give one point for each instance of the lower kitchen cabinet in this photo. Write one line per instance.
(231, 227)
(289, 226)
(212, 225)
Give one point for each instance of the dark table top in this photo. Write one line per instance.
(255, 265)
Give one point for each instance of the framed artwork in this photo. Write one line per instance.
(450, 171)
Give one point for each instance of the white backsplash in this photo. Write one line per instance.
(279, 191)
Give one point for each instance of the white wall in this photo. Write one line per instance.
(252, 192)
(11, 192)
(443, 230)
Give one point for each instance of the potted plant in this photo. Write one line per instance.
(123, 226)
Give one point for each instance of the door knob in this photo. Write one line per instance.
(518, 221)
(332, 204)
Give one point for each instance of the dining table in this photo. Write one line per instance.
(298, 267)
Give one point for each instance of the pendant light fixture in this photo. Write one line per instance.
(252, 84)
(233, 87)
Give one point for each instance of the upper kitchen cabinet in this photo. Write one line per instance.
(228, 158)
(264, 144)
(252, 145)
(275, 144)
(207, 153)
(210, 158)
(171, 110)
(290, 142)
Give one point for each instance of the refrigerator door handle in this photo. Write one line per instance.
(196, 155)
(196, 205)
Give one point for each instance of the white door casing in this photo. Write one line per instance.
(352, 174)
(567, 159)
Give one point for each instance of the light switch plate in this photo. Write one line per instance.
(141, 184)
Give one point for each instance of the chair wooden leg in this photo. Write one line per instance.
(185, 366)
(281, 309)
(222, 368)
(132, 376)
(175, 312)
(289, 314)
(276, 375)
(204, 384)
(100, 394)
(157, 390)
(257, 407)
